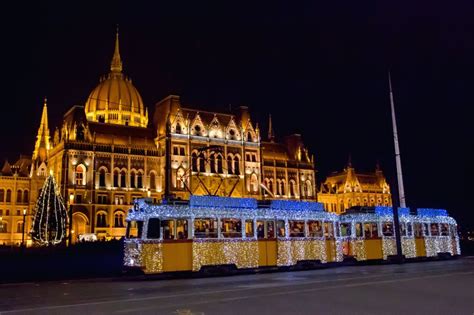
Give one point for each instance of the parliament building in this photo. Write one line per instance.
(110, 151)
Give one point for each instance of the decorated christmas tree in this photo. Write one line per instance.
(50, 215)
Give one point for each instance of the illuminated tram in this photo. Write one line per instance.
(241, 233)
(367, 233)
(223, 231)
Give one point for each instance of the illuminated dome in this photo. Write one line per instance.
(115, 100)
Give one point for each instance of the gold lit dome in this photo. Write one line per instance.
(115, 100)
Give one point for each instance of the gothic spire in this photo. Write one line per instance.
(116, 64)
(271, 134)
(42, 139)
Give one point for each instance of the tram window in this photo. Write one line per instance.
(296, 228)
(426, 230)
(359, 229)
(182, 229)
(444, 229)
(403, 229)
(409, 230)
(337, 228)
(315, 229)
(371, 230)
(134, 229)
(345, 229)
(270, 232)
(387, 228)
(434, 229)
(260, 230)
(168, 229)
(248, 228)
(231, 228)
(205, 228)
(153, 230)
(328, 229)
(281, 228)
(418, 230)
(454, 230)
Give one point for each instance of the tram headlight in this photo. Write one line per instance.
(132, 261)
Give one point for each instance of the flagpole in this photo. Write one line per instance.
(401, 192)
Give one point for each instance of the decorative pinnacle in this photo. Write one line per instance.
(116, 64)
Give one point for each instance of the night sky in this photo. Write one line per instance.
(320, 69)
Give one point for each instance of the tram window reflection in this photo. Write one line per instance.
(434, 229)
(359, 229)
(168, 227)
(403, 229)
(387, 228)
(426, 230)
(418, 230)
(345, 229)
(182, 229)
(205, 228)
(260, 229)
(329, 229)
(371, 230)
(409, 230)
(153, 229)
(270, 232)
(444, 229)
(134, 229)
(281, 228)
(337, 228)
(296, 228)
(231, 228)
(315, 229)
(248, 228)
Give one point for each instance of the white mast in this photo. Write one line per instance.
(401, 191)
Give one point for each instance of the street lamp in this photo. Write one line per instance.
(71, 200)
(23, 229)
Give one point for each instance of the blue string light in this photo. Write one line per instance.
(222, 202)
(296, 205)
(428, 212)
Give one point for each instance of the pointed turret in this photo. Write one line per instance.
(271, 134)
(42, 144)
(116, 64)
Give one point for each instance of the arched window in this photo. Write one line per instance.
(283, 187)
(123, 178)
(229, 165)
(102, 178)
(202, 162)
(236, 165)
(2, 195)
(101, 219)
(80, 175)
(19, 227)
(219, 164)
(178, 128)
(249, 137)
(254, 183)
(292, 188)
(197, 130)
(19, 194)
(9, 195)
(118, 219)
(152, 180)
(132, 179)
(3, 226)
(309, 188)
(139, 180)
(212, 161)
(116, 178)
(194, 162)
(270, 186)
(26, 196)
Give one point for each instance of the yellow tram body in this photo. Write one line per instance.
(239, 232)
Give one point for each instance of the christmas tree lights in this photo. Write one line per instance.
(50, 215)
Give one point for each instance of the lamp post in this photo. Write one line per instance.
(71, 200)
(23, 229)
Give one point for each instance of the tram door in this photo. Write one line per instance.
(267, 244)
